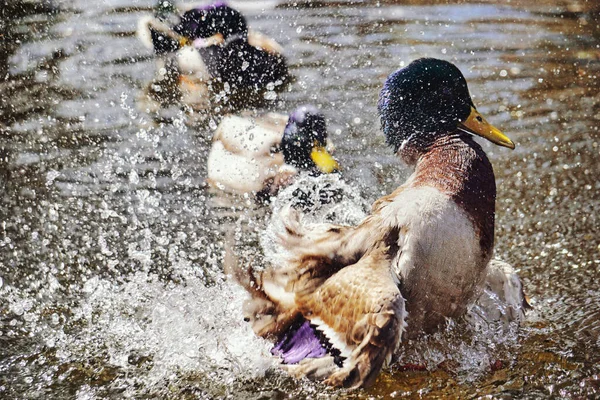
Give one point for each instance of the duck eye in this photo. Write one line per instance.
(479, 118)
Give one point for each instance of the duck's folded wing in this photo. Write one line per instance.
(235, 173)
(360, 311)
(247, 136)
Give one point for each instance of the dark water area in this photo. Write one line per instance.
(111, 284)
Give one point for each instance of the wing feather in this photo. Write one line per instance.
(365, 308)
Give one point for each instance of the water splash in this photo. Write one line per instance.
(144, 332)
(325, 198)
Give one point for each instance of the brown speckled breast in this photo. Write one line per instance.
(458, 166)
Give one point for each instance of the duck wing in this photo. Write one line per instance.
(338, 324)
(343, 245)
(250, 137)
(360, 312)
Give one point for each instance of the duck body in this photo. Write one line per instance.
(421, 257)
(260, 154)
(242, 65)
(444, 229)
(418, 259)
(213, 58)
(243, 157)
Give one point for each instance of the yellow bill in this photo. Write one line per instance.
(183, 41)
(323, 160)
(477, 125)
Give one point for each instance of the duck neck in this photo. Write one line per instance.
(458, 167)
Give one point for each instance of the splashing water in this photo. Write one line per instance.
(147, 332)
(110, 264)
(325, 198)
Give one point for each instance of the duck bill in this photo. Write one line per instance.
(477, 125)
(324, 160)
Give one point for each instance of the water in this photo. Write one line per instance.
(111, 245)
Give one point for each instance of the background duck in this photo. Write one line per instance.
(214, 52)
(343, 296)
(262, 154)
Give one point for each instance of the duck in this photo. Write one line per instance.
(213, 51)
(339, 301)
(262, 154)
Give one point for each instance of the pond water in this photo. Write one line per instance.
(111, 282)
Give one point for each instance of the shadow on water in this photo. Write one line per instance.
(111, 245)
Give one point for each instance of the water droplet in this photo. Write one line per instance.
(133, 177)
(270, 95)
(51, 176)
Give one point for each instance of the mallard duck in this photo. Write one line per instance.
(215, 51)
(342, 297)
(261, 154)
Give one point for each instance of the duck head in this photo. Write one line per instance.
(304, 142)
(207, 21)
(427, 99)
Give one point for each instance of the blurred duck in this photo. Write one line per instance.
(344, 296)
(214, 51)
(262, 154)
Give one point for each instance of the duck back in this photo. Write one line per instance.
(244, 66)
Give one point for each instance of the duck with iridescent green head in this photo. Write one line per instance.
(261, 154)
(211, 49)
(342, 298)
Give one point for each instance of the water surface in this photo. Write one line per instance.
(110, 244)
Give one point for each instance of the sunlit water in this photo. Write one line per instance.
(111, 246)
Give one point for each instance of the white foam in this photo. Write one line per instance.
(187, 328)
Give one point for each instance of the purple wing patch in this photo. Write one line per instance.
(298, 344)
